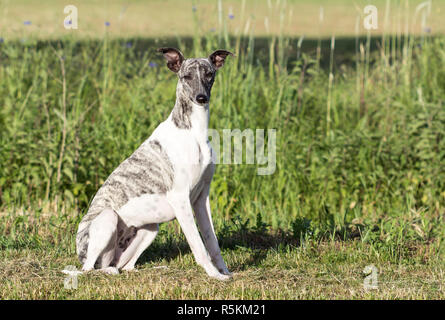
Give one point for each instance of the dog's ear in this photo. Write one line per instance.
(218, 57)
(174, 58)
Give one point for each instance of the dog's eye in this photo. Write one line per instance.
(209, 75)
(187, 77)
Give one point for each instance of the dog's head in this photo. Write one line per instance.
(196, 75)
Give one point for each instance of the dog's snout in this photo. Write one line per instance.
(200, 98)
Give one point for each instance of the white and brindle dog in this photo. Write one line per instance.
(167, 177)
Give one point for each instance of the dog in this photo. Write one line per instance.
(167, 177)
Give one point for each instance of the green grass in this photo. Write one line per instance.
(360, 173)
(316, 271)
(266, 265)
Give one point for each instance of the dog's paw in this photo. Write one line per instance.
(225, 271)
(222, 277)
(110, 270)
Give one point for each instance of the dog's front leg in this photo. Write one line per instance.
(204, 218)
(183, 211)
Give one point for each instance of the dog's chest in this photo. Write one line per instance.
(201, 159)
(203, 180)
(190, 153)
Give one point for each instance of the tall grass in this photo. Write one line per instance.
(72, 111)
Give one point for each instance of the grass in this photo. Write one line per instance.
(265, 266)
(359, 179)
(312, 273)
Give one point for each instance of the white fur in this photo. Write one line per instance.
(190, 154)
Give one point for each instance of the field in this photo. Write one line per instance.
(360, 149)
(172, 18)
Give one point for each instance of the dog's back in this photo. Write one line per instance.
(147, 171)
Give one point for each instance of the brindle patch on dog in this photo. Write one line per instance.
(147, 171)
(125, 240)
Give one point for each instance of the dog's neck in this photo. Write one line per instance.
(190, 116)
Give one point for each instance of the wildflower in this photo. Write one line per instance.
(153, 64)
(128, 45)
(27, 23)
(2, 40)
(69, 22)
(231, 15)
(427, 30)
(107, 23)
(212, 29)
(194, 8)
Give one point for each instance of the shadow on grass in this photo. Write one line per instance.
(255, 243)
(345, 47)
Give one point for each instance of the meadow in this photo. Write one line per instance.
(360, 148)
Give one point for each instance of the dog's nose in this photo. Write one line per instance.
(201, 98)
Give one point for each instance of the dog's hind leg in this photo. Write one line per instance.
(102, 240)
(106, 258)
(143, 238)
